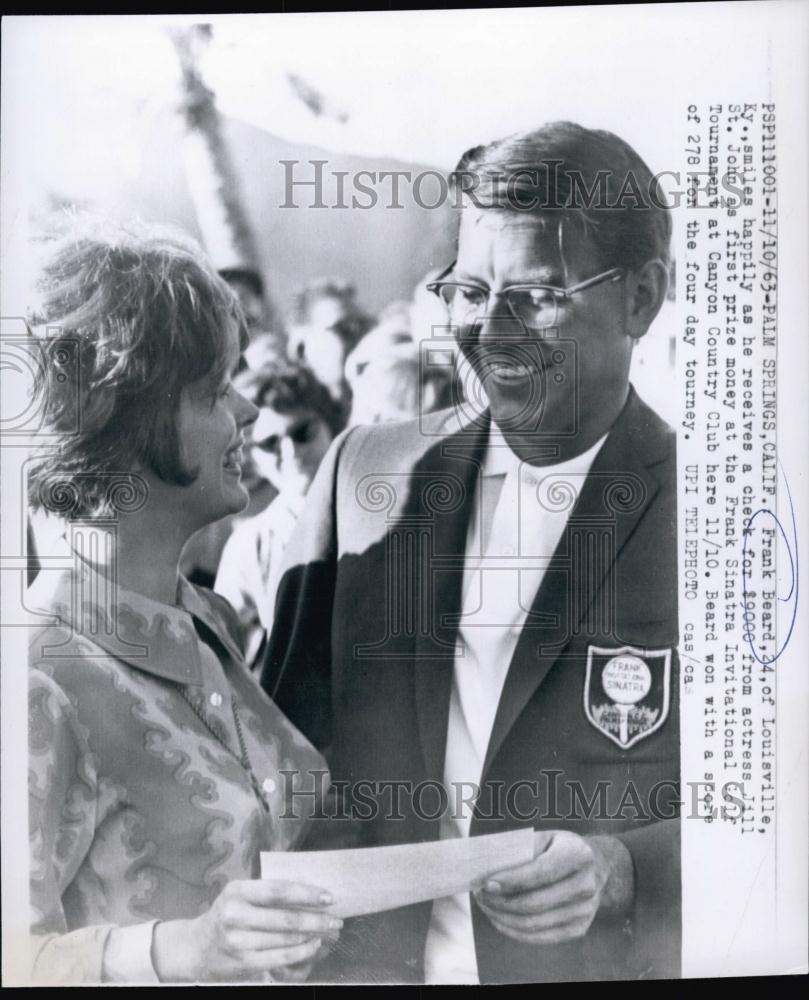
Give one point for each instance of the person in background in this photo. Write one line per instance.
(296, 423)
(153, 754)
(328, 323)
(246, 283)
(389, 378)
(266, 345)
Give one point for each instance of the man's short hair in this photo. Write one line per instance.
(286, 386)
(563, 170)
(139, 314)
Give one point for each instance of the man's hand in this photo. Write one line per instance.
(556, 896)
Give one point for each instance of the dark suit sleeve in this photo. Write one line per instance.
(655, 851)
(297, 665)
(656, 859)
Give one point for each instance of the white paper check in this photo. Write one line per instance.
(370, 879)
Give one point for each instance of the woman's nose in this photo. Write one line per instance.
(247, 412)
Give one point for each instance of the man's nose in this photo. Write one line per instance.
(499, 324)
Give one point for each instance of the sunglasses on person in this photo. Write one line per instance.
(301, 433)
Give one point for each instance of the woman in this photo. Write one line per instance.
(158, 768)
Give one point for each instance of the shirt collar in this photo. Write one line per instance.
(159, 639)
(499, 460)
(198, 601)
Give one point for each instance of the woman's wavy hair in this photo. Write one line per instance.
(128, 316)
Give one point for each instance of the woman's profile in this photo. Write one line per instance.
(158, 769)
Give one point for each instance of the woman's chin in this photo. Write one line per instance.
(234, 498)
(241, 499)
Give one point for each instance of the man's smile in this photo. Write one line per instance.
(502, 371)
(512, 364)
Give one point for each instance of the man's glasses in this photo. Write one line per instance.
(301, 433)
(536, 306)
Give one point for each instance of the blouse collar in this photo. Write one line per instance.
(159, 639)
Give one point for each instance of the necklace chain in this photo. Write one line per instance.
(217, 732)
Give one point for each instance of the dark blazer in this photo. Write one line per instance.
(361, 660)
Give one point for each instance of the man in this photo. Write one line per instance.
(487, 602)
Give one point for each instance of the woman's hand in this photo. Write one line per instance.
(253, 928)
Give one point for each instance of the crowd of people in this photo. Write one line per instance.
(337, 367)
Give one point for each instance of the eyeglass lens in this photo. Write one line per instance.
(536, 307)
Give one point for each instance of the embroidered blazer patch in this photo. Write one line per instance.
(627, 692)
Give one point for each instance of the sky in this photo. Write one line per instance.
(419, 85)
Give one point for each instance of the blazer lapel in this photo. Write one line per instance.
(457, 456)
(575, 593)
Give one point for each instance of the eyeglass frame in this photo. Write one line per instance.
(613, 274)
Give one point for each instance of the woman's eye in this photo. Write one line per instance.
(219, 395)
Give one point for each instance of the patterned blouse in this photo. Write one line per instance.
(137, 811)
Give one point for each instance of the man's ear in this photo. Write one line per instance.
(646, 290)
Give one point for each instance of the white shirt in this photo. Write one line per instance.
(502, 574)
(250, 568)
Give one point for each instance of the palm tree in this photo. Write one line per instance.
(212, 177)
